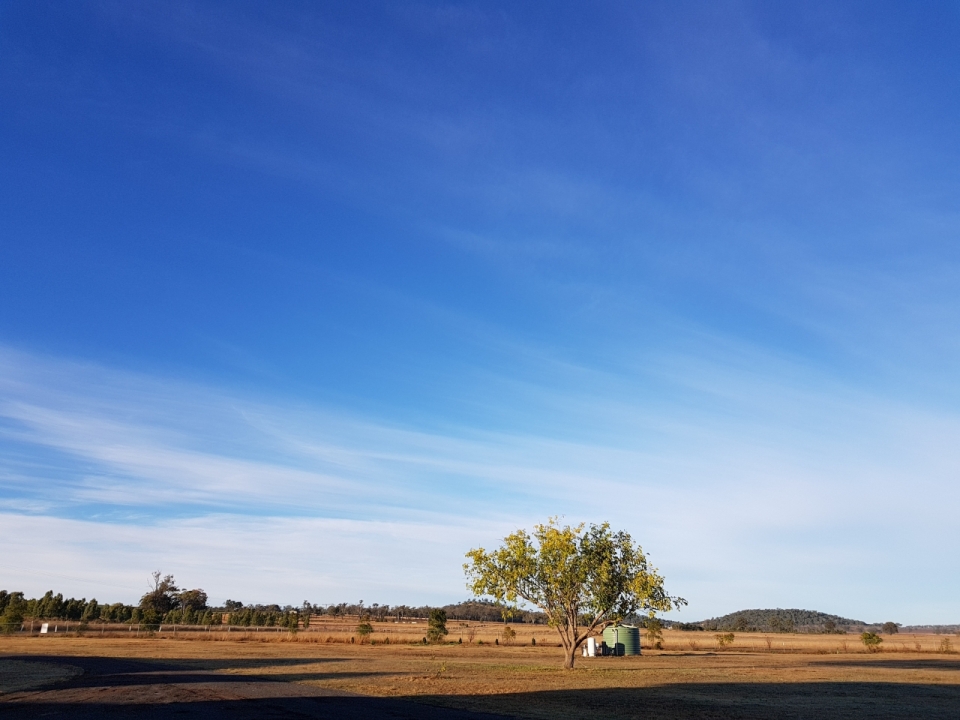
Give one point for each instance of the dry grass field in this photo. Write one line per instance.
(323, 629)
(758, 676)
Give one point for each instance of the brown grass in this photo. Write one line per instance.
(324, 629)
(528, 681)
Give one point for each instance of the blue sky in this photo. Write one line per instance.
(303, 301)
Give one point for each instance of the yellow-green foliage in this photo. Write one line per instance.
(582, 578)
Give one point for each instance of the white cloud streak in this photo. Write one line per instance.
(766, 494)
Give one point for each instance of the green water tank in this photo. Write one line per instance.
(621, 640)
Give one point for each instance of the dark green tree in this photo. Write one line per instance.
(437, 625)
(91, 611)
(163, 596)
(13, 612)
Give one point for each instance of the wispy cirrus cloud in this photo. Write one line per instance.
(753, 487)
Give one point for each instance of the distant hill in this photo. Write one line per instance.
(935, 629)
(780, 620)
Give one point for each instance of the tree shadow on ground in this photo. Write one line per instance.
(900, 664)
(107, 672)
(707, 701)
(250, 663)
(292, 708)
(728, 701)
(119, 688)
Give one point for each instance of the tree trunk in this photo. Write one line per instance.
(570, 654)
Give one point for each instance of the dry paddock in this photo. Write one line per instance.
(326, 630)
(806, 677)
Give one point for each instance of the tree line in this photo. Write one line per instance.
(166, 603)
(477, 610)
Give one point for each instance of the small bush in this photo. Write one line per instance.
(871, 641)
(364, 629)
(654, 633)
(508, 634)
(945, 646)
(724, 639)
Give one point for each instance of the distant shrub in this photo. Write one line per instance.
(724, 639)
(871, 641)
(508, 634)
(889, 628)
(654, 633)
(945, 646)
(437, 625)
(364, 629)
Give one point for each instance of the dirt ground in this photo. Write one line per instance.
(157, 676)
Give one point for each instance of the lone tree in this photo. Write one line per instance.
(161, 599)
(582, 578)
(437, 625)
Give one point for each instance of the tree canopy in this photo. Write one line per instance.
(162, 598)
(582, 578)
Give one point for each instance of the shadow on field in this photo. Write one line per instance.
(743, 701)
(106, 672)
(118, 688)
(894, 664)
(274, 708)
(251, 663)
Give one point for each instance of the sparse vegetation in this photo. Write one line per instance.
(871, 641)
